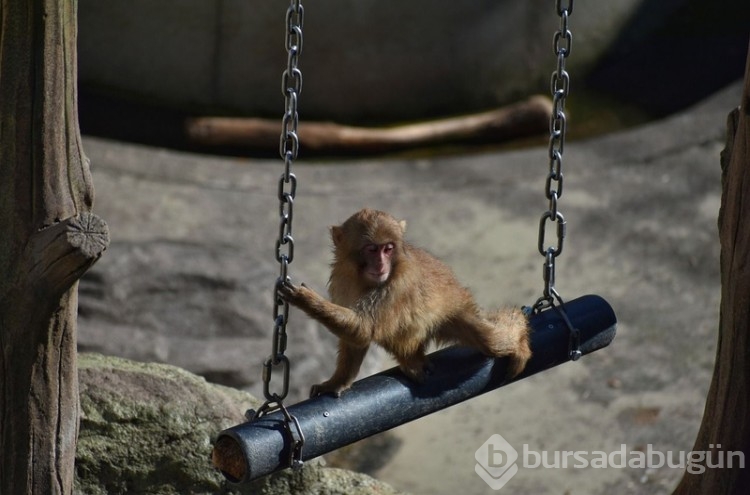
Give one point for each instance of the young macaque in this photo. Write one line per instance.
(387, 291)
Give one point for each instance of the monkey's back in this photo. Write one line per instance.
(441, 292)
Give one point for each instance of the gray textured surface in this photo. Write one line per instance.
(188, 276)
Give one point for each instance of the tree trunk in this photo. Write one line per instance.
(48, 238)
(726, 419)
(522, 119)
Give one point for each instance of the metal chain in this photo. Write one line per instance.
(559, 87)
(291, 87)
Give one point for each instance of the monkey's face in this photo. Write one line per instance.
(371, 240)
(377, 260)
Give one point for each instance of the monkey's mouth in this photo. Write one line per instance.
(377, 276)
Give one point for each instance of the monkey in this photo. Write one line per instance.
(385, 290)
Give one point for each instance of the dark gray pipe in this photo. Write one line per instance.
(388, 399)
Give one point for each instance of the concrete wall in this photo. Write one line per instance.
(363, 60)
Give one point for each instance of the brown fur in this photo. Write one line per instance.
(420, 301)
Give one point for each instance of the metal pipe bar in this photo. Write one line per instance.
(389, 399)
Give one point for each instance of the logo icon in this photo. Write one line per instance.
(496, 461)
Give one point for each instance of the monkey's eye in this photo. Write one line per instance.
(373, 248)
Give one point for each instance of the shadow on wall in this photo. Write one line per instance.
(673, 53)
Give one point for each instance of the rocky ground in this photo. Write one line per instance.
(148, 428)
(188, 277)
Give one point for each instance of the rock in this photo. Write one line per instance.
(149, 428)
(205, 315)
(322, 481)
(188, 278)
(362, 61)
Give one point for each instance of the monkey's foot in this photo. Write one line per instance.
(327, 388)
(517, 362)
(417, 372)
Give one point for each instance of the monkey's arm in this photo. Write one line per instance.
(342, 322)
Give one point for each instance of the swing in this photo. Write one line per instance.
(277, 436)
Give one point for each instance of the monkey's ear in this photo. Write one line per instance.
(337, 234)
(402, 223)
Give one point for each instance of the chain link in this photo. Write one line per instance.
(291, 87)
(287, 190)
(559, 87)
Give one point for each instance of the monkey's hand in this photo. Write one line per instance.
(301, 296)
